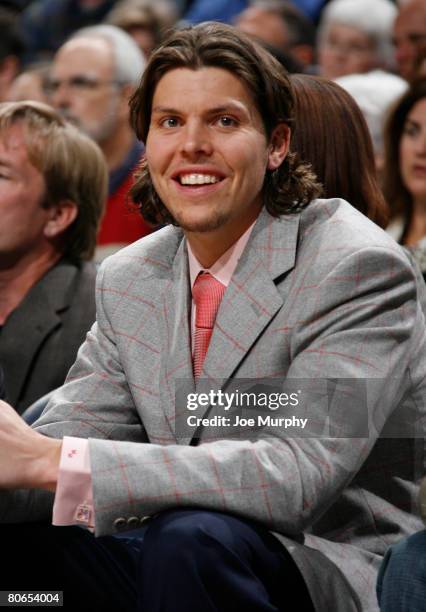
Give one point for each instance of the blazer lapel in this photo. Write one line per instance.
(178, 360)
(251, 299)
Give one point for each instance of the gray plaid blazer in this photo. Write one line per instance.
(324, 293)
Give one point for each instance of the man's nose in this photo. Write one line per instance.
(60, 96)
(196, 139)
(403, 51)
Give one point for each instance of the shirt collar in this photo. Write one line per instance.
(224, 267)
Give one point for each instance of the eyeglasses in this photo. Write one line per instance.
(78, 84)
(347, 48)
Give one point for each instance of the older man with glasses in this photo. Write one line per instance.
(92, 78)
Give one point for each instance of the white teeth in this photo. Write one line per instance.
(198, 179)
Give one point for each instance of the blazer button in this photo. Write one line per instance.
(144, 519)
(120, 523)
(133, 521)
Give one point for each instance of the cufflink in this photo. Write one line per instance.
(83, 513)
(133, 521)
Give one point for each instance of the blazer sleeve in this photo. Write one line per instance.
(372, 328)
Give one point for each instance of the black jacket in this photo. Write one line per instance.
(40, 338)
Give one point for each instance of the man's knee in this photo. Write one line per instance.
(183, 533)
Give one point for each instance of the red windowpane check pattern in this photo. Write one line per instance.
(207, 293)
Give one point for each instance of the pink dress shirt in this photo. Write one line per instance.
(73, 503)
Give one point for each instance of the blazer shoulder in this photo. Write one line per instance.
(146, 257)
(338, 224)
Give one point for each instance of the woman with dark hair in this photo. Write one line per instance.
(332, 135)
(404, 178)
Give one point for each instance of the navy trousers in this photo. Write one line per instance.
(183, 560)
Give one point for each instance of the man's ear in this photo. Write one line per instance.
(60, 217)
(279, 146)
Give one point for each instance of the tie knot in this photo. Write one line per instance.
(207, 293)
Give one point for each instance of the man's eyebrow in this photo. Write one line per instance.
(223, 108)
(230, 106)
(165, 109)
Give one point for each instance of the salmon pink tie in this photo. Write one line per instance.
(207, 294)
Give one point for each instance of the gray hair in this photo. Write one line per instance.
(128, 58)
(374, 92)
(372, 17)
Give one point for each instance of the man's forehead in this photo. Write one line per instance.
(13, 135)
(84, 54)
(412, 17)
(203, 82)
(13, 144)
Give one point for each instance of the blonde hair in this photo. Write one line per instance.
(72, 165)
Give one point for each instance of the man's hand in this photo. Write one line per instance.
(28, 460)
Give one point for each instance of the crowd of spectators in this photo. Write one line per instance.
(358, 71)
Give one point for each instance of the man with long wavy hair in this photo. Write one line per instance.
(253, 281)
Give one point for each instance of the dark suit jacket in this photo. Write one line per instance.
(40, 339)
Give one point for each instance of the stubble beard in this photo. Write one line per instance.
(215, 221)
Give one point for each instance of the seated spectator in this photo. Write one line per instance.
(31, 84)
(404, 173)
(409, 37)
(340, 151)
(374, 92)
(355, 36)
(51, 200)
(283, 26)
(92, 78)
(11, 50)
(47, 24)
(144, 22)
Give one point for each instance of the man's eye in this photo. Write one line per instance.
(52, 86)
(226, 121)
(170, 122)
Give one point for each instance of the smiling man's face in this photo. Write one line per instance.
(207, 151)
